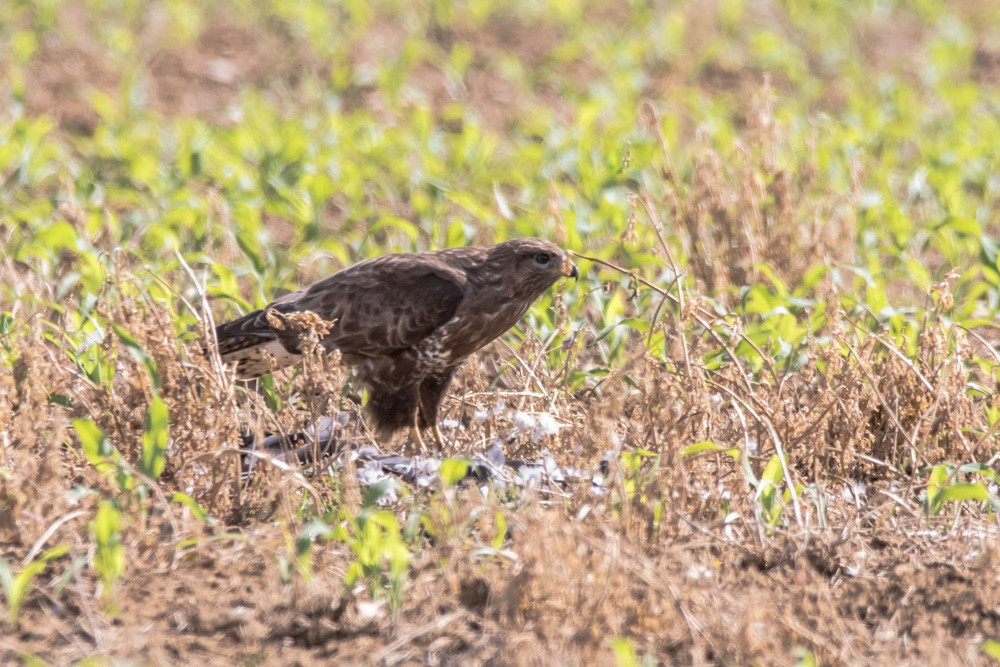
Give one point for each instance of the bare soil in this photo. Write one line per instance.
(880, 588)
(573, 585)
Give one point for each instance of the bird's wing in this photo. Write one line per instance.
(379, 306)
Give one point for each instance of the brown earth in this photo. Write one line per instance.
(561, 591)
(205, 77)
(564, 585)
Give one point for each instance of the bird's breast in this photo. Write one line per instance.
(470, 330)
(436, 350)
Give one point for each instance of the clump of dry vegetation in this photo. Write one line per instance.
(779, 367)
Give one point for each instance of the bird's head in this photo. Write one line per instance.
(537, 263)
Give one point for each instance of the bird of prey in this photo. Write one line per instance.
(405, 321)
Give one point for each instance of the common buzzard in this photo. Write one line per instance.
(406, 321)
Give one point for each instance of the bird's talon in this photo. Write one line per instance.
(438, 438)
(417, 439)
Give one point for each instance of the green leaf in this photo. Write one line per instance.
(20, 587)
(155, 439)
(60, 399)
(631, 322)
(806, 657)
(624, 652)
(453, 471)
(109, 557)
(57, 236)
(140, 355)
(312, 530)
(965, 491)
(411, 231)
(964, 225)
(772, 472)
(991, 647)
(95, 446)
(770, 481)
(935, 487)
(708, 446)
(101, 454)
(259, 265)
(500, 525)
(17, 586)
(980, 468)
(31, 660)
(197, 510)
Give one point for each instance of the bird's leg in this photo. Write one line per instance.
(438, 438)
(417, 439)
(393, 410)
(432, 390)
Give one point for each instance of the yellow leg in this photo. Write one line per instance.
(416, 439)
(438, 438)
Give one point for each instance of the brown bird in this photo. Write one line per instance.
(406, 321)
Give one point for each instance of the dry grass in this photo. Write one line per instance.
(759, 506)
(679, 558)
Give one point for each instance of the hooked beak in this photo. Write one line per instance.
(569, 269)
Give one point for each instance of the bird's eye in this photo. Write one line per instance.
(542, 258)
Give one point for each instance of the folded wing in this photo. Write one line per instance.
(379, 307)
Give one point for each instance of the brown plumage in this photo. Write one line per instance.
(407, 321)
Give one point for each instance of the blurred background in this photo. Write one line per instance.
(261, 137)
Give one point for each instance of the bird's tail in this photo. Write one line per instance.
(243, 333)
